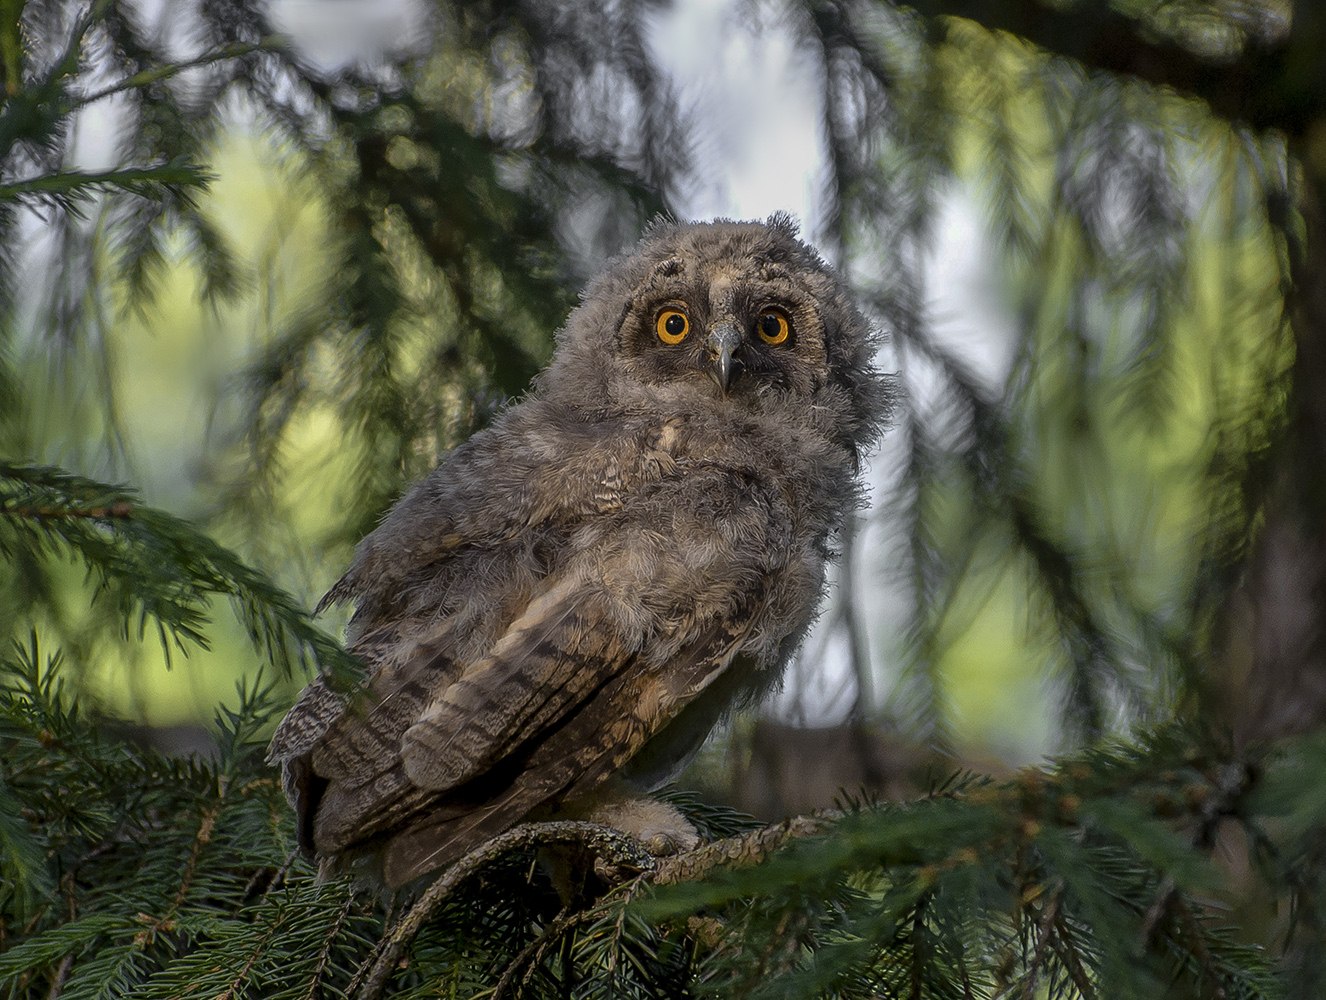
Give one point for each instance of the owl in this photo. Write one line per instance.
(555, 618)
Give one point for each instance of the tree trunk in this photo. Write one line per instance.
(1282, 599)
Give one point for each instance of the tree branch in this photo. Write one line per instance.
(1049, 911)
(737, 852)
(622, 853)
(620, 849)
(1273, 82)
(531, 954)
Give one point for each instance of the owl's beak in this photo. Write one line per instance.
(721, 344)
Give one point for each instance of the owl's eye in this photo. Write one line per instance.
(672, 326)
(773, 327)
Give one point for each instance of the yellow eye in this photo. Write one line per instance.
(672, 326)
(773, 327)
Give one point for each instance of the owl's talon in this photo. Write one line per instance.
(660, 843)
(668, 842)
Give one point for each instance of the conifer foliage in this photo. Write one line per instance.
(1152, 176)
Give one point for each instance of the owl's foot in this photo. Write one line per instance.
(580, 873)
(660, 827)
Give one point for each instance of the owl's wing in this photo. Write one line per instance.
(573, 757)
(613, 647)
(495, 743)
(445, 724)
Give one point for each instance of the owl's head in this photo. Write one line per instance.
(734, 314)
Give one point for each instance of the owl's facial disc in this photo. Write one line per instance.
(722, 341)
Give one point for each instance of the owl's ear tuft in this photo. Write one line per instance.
(658, 225)
(784, 223)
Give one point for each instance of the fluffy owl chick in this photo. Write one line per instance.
(573, 597)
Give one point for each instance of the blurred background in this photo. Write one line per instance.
(269, 261)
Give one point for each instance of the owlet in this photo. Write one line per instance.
(568, 603)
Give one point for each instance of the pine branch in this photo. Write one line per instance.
(740, 851)
(937, 841)
(154, 567)
(606, 843)
(529, 956)
(21, 117)
(67, 188)
(1275, 81)
(1071, 958)
(1049, 914)
(931, 884)
(158, 74)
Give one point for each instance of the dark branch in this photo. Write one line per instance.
(620, 849)
(1273, 82)
(738, 852)
(121, 509)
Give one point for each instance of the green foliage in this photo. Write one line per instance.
(150, 570)
(1107, 480)
(145, 863)
(1074, 881)
(131, 873)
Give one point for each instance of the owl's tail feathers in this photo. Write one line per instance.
(542, 672)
